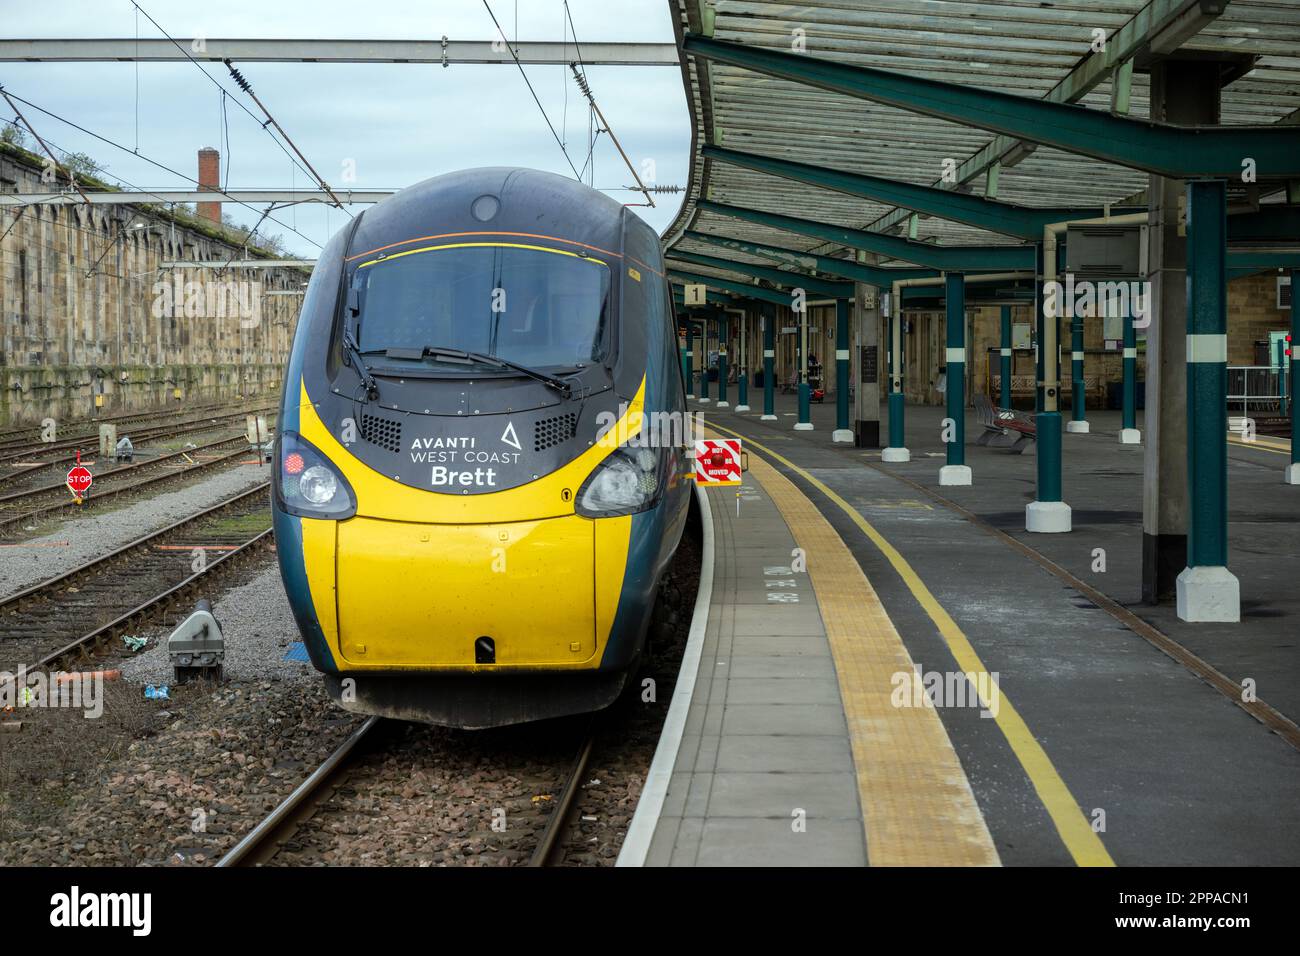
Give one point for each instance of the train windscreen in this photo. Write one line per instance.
(534, 306)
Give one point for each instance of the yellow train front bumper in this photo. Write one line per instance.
(411, 596)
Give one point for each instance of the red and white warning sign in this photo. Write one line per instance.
(717, 461)
(79, 481)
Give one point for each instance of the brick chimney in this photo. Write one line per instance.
(210, 178)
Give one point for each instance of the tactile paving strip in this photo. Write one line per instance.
(918, 807)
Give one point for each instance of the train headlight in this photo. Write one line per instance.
(308, 484)
(626, 482)
(317, 485)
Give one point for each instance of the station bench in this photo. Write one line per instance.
(1003, 427)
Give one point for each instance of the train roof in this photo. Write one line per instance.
(495, 199)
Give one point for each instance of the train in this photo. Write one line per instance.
(482, 469)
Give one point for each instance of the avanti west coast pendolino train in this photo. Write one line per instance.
(463, 537)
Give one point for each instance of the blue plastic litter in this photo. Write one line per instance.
(161, 692)
(297, 652)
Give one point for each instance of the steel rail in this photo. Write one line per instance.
(544, 854)
(102, 633)
(50, 583)
(264, 840)
(13, 519)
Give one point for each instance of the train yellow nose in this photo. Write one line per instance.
(425, 596)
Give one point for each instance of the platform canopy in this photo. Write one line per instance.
(751, 121)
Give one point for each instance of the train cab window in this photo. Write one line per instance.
(536, 307)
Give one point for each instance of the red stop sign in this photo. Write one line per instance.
(79, 480)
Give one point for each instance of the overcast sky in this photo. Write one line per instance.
(398, 124)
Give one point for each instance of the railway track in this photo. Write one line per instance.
(31, 434)
(277, 830)
(63, 452)
(47, 500)
(68, 618)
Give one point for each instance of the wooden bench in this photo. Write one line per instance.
(1003, 427)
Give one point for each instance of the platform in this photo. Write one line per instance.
(1086, 738)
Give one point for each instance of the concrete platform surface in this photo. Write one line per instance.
(1084, 740)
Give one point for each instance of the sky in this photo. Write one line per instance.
(394, 125)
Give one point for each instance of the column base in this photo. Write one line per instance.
(722, 404)
(1077, 427)
(954, 475)
(703, 401)
(895, 454)
(1130, 436)
(1048, 517)
(767, 418)
(1209, 594)
(690, 396)
(1292, 474)
(741, 408)
(803, 426)
(842, 435)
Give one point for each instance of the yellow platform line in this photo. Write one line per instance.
(917, 805)
(1082, 842)
(1260, 444)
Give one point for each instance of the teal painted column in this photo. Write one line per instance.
(896, 450)
(703, 393)
(1047, 513)
(688, 358)
(1129, 434)
(804, 421)
(1293, 469)
(843, 431)
(722, 359)
(1078, 423)
(1005, 358)
(742, 369)
(956, 471)
(769, 363)
(1207, 590)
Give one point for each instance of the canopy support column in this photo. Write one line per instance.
(1078, 423)
(688, 358)
(722, 359)
(1207, 590)
(1048, 514)
(1129, 434)
(804, 422)
(769, 363)
(742, 369)
(843, 433)
(866, 372)
(1005, 358)
(1292, 476)
(703, 391)
(896, 451)
(956, 471)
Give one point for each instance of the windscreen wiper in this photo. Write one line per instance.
(482, 358)
(359, 363)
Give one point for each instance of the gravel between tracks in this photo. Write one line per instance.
(257, 626)
(179, 782)
(90, 536)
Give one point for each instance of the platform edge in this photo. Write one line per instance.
(645, 819)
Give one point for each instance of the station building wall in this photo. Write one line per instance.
(84, 311)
